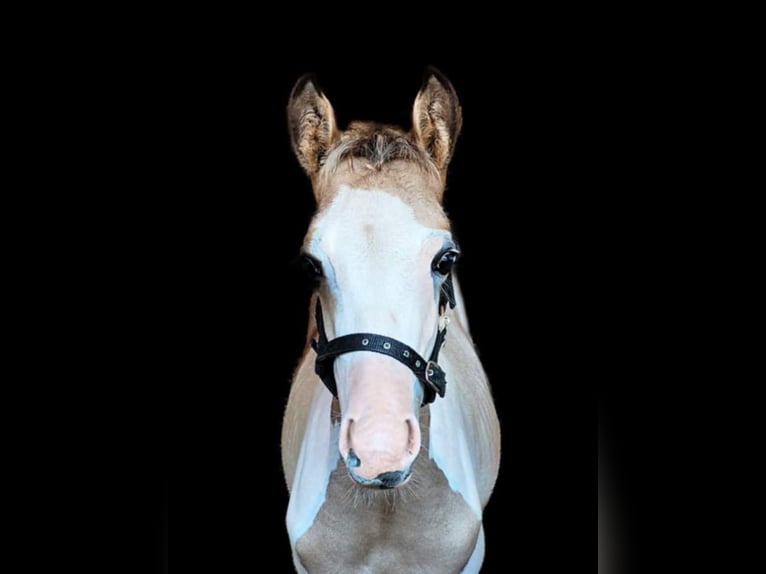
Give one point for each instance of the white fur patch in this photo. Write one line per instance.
(477, 557)
(449, 447)
(377, 261)
(375, 254)
(317, 459)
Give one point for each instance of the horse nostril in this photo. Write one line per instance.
(344, 443)
(352, 461)
(413, 436)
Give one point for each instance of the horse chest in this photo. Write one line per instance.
(422, 527)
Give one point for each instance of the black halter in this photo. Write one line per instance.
(428, 372)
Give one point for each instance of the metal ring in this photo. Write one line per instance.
(386, 346)
(406, 353)
(365, 342)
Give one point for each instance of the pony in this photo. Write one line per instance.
(390, 438)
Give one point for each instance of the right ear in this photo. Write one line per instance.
(311, 121)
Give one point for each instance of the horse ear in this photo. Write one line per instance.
(437, 117)
(311, 121)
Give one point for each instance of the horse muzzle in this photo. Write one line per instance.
(384, 480)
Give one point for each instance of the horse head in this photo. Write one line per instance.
(381, 250)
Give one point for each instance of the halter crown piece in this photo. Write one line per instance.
(428, 372)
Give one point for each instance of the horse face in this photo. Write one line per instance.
(379, 226)
(379, 276)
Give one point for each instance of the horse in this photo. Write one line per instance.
(390, 438)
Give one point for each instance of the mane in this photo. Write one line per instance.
(377, 145)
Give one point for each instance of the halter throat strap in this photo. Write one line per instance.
(428, 372)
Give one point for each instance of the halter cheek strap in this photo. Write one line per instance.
(428, 372)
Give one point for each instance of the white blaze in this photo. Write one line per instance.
(377, 261)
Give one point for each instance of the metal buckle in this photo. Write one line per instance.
(431, 369)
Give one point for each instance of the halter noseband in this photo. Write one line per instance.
(428, 372)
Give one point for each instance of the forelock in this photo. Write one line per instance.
(375, 145)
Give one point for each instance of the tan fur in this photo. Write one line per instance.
(391, 531)
(311, 121)
(424, 526)
(437, 119)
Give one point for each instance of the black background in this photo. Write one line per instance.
(553, 194)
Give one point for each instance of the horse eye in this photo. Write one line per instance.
(444, 261)
(311, 266)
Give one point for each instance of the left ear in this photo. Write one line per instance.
(311, 122)
(437, 117)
